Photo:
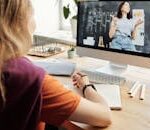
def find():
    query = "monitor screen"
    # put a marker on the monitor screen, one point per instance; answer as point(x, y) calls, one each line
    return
point(115, 26)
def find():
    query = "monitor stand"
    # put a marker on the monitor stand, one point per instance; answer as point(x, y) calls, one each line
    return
point(113, 68)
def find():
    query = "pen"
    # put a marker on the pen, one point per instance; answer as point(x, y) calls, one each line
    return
point(142, 94)
point(135, 90)
point(82, 75)
point(134, 86)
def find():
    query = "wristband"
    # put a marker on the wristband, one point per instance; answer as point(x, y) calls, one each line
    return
point(86, 86)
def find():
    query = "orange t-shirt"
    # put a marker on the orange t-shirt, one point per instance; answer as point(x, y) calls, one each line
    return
point(58, 102)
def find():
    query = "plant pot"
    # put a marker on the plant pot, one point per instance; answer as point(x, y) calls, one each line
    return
point(71, 54)
point(73, 23)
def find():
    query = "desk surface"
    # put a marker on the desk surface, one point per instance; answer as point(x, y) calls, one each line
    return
point(135, 114)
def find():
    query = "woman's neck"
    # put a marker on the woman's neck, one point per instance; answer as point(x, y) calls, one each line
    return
point(124, 15)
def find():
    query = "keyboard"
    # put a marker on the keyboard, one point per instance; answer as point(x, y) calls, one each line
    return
point(103, 78)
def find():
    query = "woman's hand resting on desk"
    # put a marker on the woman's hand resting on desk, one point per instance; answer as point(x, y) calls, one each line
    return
point(92, 102)
point(80, 80)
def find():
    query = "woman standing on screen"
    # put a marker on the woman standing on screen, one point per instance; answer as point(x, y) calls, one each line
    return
point(123, 28)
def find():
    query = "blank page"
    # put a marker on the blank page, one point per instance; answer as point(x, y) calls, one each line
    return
point(112, 95)
point(110, 92)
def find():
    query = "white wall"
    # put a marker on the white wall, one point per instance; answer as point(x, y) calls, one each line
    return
point(46, 16)
point(65, 23)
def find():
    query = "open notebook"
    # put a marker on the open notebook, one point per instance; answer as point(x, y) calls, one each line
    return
point(110, 92)
point(112, 95)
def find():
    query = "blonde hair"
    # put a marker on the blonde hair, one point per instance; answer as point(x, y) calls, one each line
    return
point(15, 38)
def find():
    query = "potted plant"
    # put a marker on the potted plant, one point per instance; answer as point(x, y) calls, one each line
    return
point(73, 20)
point(71, 51)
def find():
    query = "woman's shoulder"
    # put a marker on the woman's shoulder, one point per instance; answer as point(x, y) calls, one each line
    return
point(114, 18)
point(22, 80)
point(22, 68)
point(19, 63)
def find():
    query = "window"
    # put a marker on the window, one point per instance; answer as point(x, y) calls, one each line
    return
point(65, 23)
point(46, 16)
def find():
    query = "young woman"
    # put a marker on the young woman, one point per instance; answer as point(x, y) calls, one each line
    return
point(27, 94)
point(123, 28)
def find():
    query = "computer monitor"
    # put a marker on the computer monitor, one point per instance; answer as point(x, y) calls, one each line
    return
point(115, 31)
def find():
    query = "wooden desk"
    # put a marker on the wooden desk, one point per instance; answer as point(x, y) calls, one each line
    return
point(135, 114)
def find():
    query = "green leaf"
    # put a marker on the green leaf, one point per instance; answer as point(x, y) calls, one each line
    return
point(74, 17)
point(72, 49)
point(76, 1)
point(66, 11)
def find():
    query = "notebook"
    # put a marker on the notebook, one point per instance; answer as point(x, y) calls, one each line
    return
point(56, 66)
point(110, 92)
point(112, 95)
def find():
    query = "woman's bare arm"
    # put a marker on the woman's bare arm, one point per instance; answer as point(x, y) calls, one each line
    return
point(93, 109)
point(134, 32)
point(113, 27)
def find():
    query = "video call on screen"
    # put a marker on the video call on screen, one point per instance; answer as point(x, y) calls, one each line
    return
point(95, 19)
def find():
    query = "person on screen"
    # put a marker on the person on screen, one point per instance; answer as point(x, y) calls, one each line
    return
point(27, 94)
point(123, 28)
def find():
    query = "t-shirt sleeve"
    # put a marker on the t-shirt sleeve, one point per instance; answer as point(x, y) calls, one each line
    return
point(58, 102)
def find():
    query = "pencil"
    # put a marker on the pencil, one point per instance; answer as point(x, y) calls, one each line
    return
point(134, 86)
point(135, 90)
point(142, 94)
